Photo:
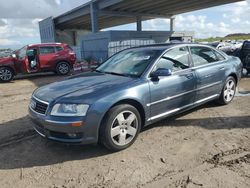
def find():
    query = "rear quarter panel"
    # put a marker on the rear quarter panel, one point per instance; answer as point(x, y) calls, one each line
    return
point(233, 67)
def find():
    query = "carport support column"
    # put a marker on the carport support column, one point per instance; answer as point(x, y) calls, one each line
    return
point(138, 23)
point(172, 24)
point(94, 17)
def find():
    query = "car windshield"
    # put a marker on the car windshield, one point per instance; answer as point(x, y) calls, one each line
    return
point(21, 53)
point(131, 62)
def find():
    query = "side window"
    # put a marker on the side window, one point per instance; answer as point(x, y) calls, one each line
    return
point(180, 54)
point(175, 59)
point(59, 48)
point(219, 56)
point(166, 64)
point(47, 50)
point(202, 55)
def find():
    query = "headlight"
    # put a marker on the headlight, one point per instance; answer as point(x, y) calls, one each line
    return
point(69, 110)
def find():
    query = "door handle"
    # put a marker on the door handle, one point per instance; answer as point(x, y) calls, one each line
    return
point(221, 68)
point(189, 76)
point(208, 75)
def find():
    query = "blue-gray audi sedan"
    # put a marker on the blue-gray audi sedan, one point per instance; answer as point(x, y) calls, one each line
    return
point(134, 88)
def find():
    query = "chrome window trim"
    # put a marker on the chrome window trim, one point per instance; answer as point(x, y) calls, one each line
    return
point(147, 75)
point(184, 93)
point(207, 64)
point(192, 67)
point(183, 107)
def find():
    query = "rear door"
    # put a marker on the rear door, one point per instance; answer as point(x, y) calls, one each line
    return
point(172, 93)
point(209, 66)
point(47, 57)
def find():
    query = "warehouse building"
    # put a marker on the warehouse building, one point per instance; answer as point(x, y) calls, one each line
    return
point(82, 27)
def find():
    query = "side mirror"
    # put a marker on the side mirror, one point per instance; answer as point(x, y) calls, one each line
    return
point(160, 72)
point(13, 55)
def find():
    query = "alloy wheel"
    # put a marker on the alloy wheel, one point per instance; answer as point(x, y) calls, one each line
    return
point(124, 128)
point(5, 74)
point(63, 68)
point(229, 90)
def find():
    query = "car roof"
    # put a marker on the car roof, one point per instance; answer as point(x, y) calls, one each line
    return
point(46, 44)
point(165, 46)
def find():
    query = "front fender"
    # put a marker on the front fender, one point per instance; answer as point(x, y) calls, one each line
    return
point(98, 110)
point(9, 64)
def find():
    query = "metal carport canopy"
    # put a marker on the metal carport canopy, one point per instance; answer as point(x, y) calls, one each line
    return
point(111, 13)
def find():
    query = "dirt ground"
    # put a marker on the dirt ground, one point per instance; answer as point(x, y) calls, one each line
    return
point(206, 147)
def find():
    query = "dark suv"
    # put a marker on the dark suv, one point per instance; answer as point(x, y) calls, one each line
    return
point(54, 57)
point(244, 54)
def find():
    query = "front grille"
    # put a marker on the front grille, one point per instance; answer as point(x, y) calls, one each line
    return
point(39, 106)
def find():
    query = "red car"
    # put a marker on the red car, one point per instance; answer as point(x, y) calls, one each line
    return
point(56, 57)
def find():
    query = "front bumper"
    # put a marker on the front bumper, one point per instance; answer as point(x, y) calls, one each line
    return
point(61, 129)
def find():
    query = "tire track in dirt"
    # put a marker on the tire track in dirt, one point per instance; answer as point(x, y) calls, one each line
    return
point(230, 157)
point(17, 138)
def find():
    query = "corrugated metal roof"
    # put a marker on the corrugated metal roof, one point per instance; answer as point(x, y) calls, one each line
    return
point(119, 12)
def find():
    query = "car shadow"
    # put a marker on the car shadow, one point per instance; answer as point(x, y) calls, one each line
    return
point(211, 123)
point(43, 78)
point(24, 148)
point(40, 79)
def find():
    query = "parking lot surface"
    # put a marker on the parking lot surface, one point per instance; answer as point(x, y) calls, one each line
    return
point(205, 147)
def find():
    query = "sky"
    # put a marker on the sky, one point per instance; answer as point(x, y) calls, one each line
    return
point(19, 20)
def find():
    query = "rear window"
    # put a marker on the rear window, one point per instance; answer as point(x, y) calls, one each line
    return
point(219, 56)
point(202, 55)
point(47, 50)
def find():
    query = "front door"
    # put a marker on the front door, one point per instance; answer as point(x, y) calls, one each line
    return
point(209, 67)
point(32, 60)
point(177, 91)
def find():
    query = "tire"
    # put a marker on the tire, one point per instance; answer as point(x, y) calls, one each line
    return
point(228, 91)
point(6, 74)
point(63, 68)
point(120, 127)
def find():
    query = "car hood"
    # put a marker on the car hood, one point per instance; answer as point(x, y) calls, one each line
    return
point(5, 59)
point(85, 87)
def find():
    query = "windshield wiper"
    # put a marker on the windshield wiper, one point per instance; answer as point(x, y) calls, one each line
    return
point(115, 73)
point(98, 71)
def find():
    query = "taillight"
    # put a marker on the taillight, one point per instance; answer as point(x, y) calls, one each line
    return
point(72, 56)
